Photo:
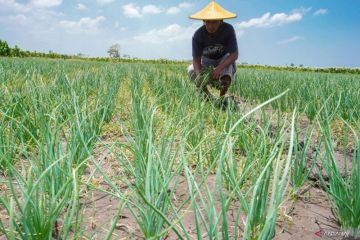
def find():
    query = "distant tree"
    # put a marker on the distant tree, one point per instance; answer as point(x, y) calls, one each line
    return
point(4, 48)
point(16, 52)
point(114, 51)
point(292, 65)
point(27, 53)
point(301, 65)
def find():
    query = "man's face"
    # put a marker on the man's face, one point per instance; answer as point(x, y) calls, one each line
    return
point(212, 25)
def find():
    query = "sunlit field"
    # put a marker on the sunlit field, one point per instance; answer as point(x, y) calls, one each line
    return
point(101, 150)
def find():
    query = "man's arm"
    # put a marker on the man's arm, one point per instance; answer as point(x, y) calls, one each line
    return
point(197, 49)
point(197, 65)
point(229, 60)
point(232, 48)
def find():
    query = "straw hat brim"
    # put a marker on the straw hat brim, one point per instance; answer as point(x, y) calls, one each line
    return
point(213, 11)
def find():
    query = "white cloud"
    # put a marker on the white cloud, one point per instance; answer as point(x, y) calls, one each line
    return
point(321, 11)
point(185, 5)
point(104, 2)
point(178, 8)
point(18, 19)
point(291, 39)
point(12, 5)
point(302, 10)
point(84, 25)
point(132, 11)
point(277, 19)
point(151, 9)
point(46, 3)
point(38, 18)
point(171, 33)
point(81, 6)
point(173, 10)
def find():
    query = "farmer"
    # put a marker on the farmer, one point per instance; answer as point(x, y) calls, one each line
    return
point(214, 51)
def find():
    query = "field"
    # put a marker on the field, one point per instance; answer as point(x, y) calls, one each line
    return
point(101, 150)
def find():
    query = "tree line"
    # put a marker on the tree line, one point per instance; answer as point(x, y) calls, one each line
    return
point(113, 51)
point(7, 51)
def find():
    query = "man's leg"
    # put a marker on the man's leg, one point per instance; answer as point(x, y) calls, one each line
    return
point(225, 82)
point(226, 77)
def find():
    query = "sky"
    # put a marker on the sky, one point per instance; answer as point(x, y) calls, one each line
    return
point(315, 33)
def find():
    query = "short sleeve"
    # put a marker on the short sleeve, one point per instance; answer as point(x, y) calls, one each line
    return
point(196, 47)
point(231, 42)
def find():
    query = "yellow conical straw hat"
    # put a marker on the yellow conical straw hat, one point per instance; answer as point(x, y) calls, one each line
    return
point(213, 11)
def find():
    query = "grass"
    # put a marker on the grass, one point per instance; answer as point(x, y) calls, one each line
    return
point(176, 157)
point(308, 90)
point(343, 187)
point(302, 166)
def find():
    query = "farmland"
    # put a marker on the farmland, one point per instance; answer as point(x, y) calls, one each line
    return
point(101, 150)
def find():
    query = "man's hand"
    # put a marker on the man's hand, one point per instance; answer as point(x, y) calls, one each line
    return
point(229, 60)
point(216, 73)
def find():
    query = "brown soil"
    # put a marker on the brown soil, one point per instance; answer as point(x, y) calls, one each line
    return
point(297, 219)
point(300, 219)
point(303, 218)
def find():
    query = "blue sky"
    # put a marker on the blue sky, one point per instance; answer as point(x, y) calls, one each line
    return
point(277, 32)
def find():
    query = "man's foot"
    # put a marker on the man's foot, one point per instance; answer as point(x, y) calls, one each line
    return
point(223, 104)
point(228, 103)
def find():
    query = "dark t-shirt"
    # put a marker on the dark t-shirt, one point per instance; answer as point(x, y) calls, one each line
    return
point(224, 42)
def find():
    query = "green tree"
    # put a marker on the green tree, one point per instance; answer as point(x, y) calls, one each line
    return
point(16, 52)
point(114, 51)
point(4, 48)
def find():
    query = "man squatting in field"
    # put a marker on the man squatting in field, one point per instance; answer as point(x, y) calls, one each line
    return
point(214, 46)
